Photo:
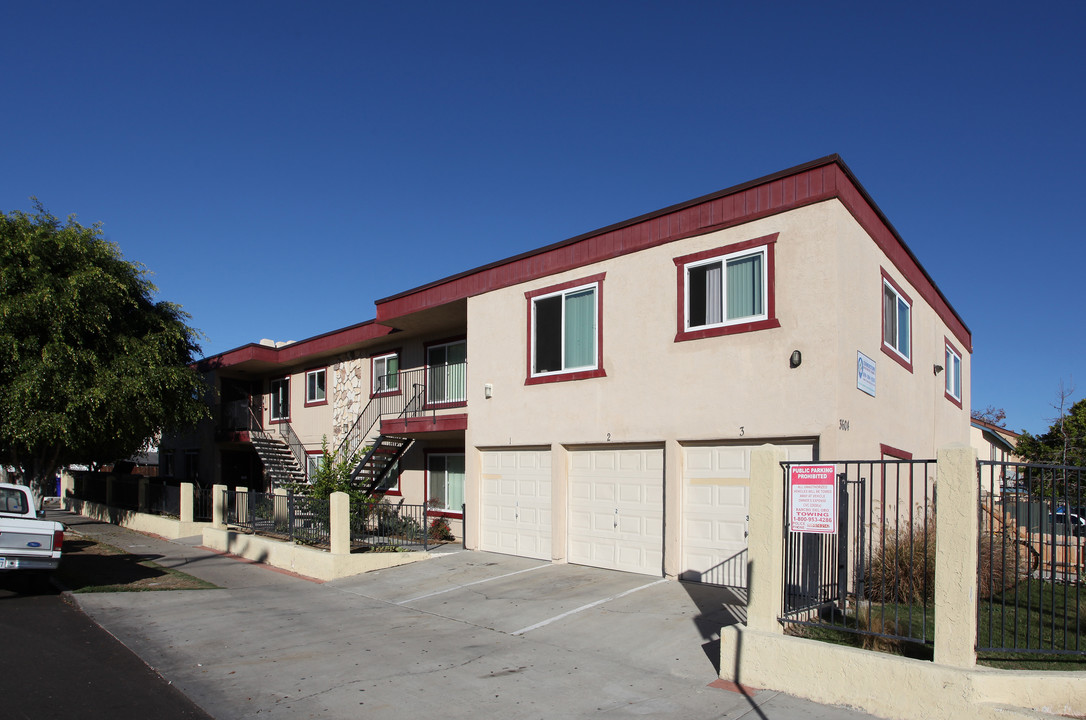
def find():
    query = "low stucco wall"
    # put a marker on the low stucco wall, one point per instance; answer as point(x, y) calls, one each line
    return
point(167, 527)
point(891, 686)
point(304, 560)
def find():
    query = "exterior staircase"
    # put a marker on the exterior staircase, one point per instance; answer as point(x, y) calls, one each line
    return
point(280, 464)
point(373, 469)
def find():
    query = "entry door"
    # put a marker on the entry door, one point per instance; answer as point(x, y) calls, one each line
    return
point(516, 503)
point(616, 515)
point(446, 365)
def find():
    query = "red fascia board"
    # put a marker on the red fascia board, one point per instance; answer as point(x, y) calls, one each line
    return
point(802, 185)
point(796, 187)
point(295, 352)
point(433, 423)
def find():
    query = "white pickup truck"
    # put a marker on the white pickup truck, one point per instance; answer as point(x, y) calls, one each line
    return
point(27, 541)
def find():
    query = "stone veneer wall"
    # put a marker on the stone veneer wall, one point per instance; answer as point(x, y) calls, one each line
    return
point(350, 393)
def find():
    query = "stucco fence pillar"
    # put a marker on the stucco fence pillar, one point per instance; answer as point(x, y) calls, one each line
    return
point(219, 506)
point(952, 686)
point(339, 523)
point(188, 491)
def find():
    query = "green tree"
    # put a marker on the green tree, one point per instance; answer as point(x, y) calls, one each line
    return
point(1064, 444)
point(92, 368)
point(333, 475)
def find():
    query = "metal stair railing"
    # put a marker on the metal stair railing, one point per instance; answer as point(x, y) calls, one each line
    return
point(444, 382)
point(287, 437)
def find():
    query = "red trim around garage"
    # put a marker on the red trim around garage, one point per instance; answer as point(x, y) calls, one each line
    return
point(894, 452)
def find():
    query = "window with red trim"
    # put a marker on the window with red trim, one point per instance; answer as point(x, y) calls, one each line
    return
point(445, 482)
point(565, 331)
point(727, 290)
point(315, 387)
point(385, 371)
point(897, 325)
point(953, 374)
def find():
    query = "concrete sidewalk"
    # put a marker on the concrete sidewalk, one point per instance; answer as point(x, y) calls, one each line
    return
point(468, 634)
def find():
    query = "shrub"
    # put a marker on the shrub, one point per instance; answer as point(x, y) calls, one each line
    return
point(440, 530)
point(902, 568)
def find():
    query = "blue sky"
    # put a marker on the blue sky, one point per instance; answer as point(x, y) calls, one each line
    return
point(281, 165)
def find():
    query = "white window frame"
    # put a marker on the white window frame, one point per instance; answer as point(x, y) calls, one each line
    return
point(900, 300)
point(310, 378)
point(761, 251)
point(451, 380)
point(430, 481)
point(313, 462)
point(274, 414)
point(382, 361)
point(953, 371)
point(594, 365)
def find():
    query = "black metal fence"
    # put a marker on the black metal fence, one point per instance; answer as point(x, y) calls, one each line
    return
point(297, 518)
point(378, 526)
point(870, 567)
point(162, 496)
point(306, 520)
point(1031, 559)
point(202, 504)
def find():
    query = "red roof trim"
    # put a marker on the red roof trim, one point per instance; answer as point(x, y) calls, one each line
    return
point(796, 187)
point(298, 351)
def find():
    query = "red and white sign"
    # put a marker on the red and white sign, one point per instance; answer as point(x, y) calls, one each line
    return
point(813, 498)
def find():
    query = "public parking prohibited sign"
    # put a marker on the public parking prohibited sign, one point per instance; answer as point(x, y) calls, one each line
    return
point(813, 498)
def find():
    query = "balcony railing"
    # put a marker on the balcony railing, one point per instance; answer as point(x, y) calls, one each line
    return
point(407, 394)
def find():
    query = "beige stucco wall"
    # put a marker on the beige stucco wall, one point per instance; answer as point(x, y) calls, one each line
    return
point(737, 387)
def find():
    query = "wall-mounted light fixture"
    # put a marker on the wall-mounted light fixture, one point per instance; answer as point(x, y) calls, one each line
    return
point(488, 391)
point(796, 359)
point(938, 369)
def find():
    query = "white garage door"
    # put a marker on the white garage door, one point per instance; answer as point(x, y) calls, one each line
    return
point(715, 509)
point(616, 509)
point(516, 503)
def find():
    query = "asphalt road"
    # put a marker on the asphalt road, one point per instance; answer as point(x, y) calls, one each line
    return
point(57, 663)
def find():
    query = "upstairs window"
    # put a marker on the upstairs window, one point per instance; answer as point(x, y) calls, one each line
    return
point(896, 323)
point(564, 332)
point(953, 371)
point(386, 373)
point(445, 372)
point(315, 392)
point(727, 290)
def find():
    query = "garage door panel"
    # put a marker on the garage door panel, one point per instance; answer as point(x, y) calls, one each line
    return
point(716, 489)
point(616, 509)
point(516, 499)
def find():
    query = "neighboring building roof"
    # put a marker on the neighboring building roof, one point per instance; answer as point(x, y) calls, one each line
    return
point(1000, 435)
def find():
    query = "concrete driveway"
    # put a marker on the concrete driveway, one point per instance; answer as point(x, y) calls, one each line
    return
point(465, 634)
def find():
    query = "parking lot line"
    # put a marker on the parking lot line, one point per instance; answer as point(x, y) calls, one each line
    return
point(477, 582)
point(588, 606)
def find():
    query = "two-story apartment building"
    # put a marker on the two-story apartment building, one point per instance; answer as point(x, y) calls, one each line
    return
point(596, 401)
